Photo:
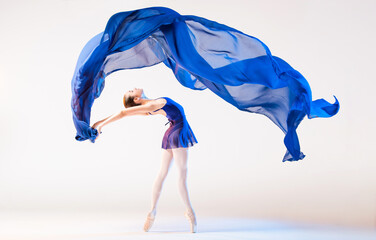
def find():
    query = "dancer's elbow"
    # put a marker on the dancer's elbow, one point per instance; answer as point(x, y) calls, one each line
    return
point(123, 113)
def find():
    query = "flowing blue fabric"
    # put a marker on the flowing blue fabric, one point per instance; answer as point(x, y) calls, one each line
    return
point(202, 54)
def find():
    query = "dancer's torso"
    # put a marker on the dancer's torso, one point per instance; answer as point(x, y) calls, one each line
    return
point(173, 110)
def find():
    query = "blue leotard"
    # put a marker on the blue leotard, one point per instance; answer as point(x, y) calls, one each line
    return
point(179, 134)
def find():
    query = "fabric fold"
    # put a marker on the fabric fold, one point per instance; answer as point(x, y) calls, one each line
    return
point(202, 54)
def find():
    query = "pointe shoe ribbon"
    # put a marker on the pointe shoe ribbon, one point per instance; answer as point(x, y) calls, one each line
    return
point(148, 223)
point(192, 220)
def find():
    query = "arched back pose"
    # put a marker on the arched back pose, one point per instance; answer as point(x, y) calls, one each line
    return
point(176, 141)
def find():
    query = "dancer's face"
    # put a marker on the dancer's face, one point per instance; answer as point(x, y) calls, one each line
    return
point(136, 92)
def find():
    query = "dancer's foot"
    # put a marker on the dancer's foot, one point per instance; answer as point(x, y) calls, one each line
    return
point(149, 221)
point(190, 215)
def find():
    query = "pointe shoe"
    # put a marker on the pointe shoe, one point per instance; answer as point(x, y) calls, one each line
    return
point(192, 220)
point(148, 223)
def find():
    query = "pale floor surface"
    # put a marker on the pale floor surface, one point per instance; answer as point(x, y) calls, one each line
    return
point(89, 226)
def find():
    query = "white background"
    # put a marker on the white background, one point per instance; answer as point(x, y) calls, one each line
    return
point(236, 169)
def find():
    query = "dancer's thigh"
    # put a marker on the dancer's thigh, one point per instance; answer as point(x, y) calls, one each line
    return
point(181, 156)
point(167, 156)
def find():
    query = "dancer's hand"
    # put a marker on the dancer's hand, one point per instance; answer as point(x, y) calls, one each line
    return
point(96, 124)
point(98, 128)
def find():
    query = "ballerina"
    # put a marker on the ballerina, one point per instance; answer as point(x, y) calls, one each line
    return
point(175, 144)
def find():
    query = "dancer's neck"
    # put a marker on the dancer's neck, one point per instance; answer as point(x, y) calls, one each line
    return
point(145, 99)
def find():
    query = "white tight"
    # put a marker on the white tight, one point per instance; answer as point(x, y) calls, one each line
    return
point(180, 155)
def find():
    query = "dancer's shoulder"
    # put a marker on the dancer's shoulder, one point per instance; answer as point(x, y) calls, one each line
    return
point(159, 103)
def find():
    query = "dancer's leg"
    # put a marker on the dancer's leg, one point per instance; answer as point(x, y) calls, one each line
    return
point(158, 183)
point(157, 187)
point(181, 157)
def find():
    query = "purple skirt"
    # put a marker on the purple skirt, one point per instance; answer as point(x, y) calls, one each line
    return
point(178, 135)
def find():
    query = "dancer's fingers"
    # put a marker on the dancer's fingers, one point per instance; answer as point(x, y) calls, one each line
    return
point(99, 133)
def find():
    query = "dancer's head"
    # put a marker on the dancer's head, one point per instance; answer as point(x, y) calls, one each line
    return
point(133, 97)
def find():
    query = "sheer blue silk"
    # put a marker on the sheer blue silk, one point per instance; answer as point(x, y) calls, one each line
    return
point(201, 54)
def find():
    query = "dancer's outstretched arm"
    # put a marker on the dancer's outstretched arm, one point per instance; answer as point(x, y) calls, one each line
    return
point(99, 122)
point(137, 110)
